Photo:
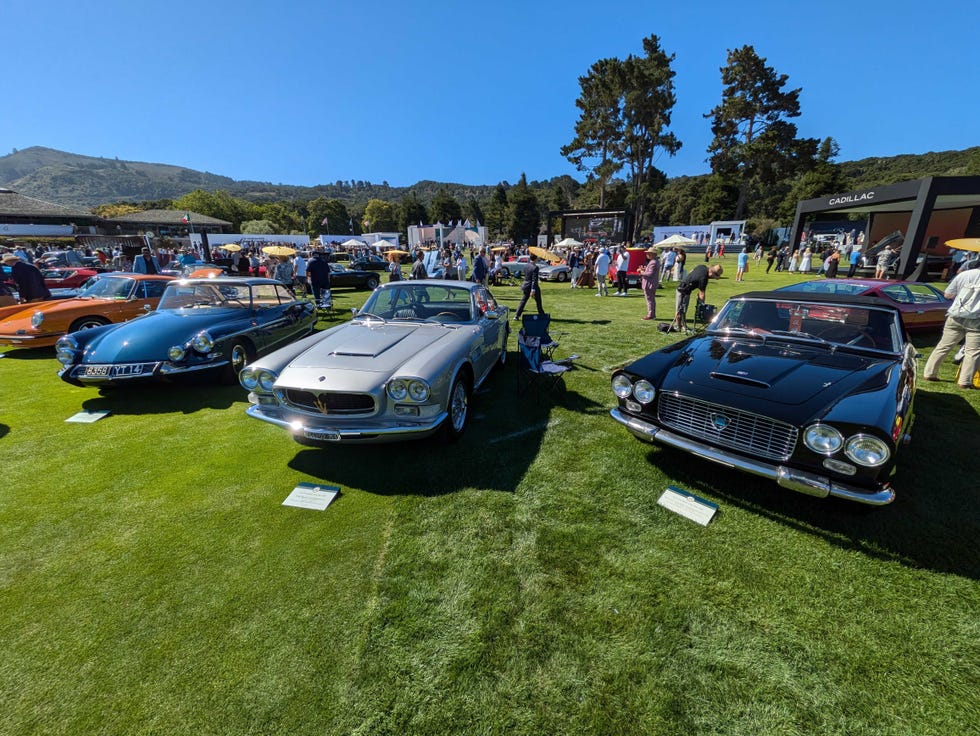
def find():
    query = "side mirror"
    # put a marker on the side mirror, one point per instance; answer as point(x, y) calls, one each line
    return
point(491, 314)
point(147, 308)
point(353, 311)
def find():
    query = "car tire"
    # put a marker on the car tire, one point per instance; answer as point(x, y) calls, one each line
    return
point(87, 323)
point(502, 358)
point(240, 354)
point(372, 283)
point(561, 277)
point(458, 410)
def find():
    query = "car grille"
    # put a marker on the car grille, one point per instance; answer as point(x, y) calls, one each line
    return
point(328, 403)
point(726, 427)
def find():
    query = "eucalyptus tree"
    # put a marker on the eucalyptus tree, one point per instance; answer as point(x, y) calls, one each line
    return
point(755, 144)
point(626, 108)
point(595, 149)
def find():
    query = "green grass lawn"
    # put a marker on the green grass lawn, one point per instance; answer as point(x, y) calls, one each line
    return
point(523, 581)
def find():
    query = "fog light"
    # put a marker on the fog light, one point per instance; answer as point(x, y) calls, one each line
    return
point(406, 411)
point(176, 353)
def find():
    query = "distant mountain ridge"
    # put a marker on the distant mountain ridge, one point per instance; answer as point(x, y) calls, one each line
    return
point(87, 181)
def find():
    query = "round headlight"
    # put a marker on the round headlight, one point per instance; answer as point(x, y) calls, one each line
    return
point(643, 391)
point(621, 385)
point(267, 379)
point(867, 450)
point(64, 356)
point(36, 319)
point(202, 342)
point(249, 379)
point(398, 389)
point(823, 439)
point(176, 353)
point(418, 390)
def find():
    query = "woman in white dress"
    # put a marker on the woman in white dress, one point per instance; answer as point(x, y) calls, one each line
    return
point(805, 261)
point(794, 261)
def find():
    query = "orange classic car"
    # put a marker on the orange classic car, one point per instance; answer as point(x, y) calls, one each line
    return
point(111, 298)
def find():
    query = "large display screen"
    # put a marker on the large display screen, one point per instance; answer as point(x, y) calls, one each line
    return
point(591, 228)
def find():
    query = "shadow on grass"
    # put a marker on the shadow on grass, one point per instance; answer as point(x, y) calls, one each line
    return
point(27, 353)
point(933, 523)
point(4, 431)
point(502, 440)
point(165, 398)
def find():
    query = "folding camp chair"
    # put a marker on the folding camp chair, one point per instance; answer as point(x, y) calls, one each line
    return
point(533, 366)
point(536, 325)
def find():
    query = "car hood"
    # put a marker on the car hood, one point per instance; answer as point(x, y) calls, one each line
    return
point(363, 348)
point(147, 338)
point(777, 372)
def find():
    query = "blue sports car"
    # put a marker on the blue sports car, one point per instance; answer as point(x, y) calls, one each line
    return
point(215, 325)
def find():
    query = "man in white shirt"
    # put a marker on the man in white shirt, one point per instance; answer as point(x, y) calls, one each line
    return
point(299, 274)
point(601, 272)
point(962, 323)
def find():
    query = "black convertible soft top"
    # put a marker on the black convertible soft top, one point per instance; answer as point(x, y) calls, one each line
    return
point(820, 298)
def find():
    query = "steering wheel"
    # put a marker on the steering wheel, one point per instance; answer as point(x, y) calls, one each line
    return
point(862, 338)
point(435, 317)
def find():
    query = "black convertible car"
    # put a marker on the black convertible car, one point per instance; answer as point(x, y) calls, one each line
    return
point(814, 391)
point(353, 278)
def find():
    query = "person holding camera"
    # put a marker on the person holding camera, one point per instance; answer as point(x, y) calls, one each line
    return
point(697, 279)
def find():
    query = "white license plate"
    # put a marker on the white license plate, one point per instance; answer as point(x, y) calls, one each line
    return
point(326, 435)
point(97, 370)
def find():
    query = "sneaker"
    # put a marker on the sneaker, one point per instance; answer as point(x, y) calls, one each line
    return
point(647, 318)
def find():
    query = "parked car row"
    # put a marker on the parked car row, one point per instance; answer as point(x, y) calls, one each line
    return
point(812, 388)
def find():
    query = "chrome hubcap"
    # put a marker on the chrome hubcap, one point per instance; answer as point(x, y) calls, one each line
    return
point(458, 406)
point(238, 357)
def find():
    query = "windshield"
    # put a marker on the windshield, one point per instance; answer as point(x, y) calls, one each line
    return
point(827, 286)
point(864, 327)
point(414, 302)
point(109, 287)
point(205, 296)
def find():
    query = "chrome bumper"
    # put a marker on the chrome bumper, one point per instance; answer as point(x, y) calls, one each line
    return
point(336, 431)
point(790, 478)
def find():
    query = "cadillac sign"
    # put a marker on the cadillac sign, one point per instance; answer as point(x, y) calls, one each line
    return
point(852, 198)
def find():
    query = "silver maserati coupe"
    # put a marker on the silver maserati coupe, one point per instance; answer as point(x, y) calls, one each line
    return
point(404, 367)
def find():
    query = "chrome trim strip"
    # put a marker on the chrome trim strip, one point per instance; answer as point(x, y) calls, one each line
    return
point(273, 415)
point(789, 478)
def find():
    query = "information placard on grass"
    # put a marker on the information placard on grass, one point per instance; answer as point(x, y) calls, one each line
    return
point(87, 417)
point(688, 505)
point(311, 496)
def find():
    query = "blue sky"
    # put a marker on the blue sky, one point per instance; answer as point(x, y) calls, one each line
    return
point(311, 92)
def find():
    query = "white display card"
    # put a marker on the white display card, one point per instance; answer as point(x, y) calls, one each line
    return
point(311, 496)
point(688, 505)
point(87, 417)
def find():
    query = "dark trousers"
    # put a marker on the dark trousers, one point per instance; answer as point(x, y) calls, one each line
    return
point(319, 287)
point(527, 295)
point(851, 269)
point(621, 283)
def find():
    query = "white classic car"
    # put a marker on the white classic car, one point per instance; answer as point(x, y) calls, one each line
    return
point(404, 367)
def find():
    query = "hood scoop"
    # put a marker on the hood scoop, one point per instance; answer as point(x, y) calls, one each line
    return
point(744, 380)
point(369, 343)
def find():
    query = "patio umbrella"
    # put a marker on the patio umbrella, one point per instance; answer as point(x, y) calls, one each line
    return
point(230, 247)
point(568, 243)
point(384, 244)
point(279, 250)
point(353, 243)
point(499, 248)
point(675, 240)
point(396, 252)
point(970, 244)
point(545, 254)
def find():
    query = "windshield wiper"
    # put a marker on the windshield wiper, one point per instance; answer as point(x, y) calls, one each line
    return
point(371, 315)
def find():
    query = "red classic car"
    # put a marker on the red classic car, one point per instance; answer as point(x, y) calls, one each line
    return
point(923, 306)
point(67, 278)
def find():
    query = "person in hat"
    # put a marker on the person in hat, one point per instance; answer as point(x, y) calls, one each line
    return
point(30, 281)
point(650, 280)
point(146, 262)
